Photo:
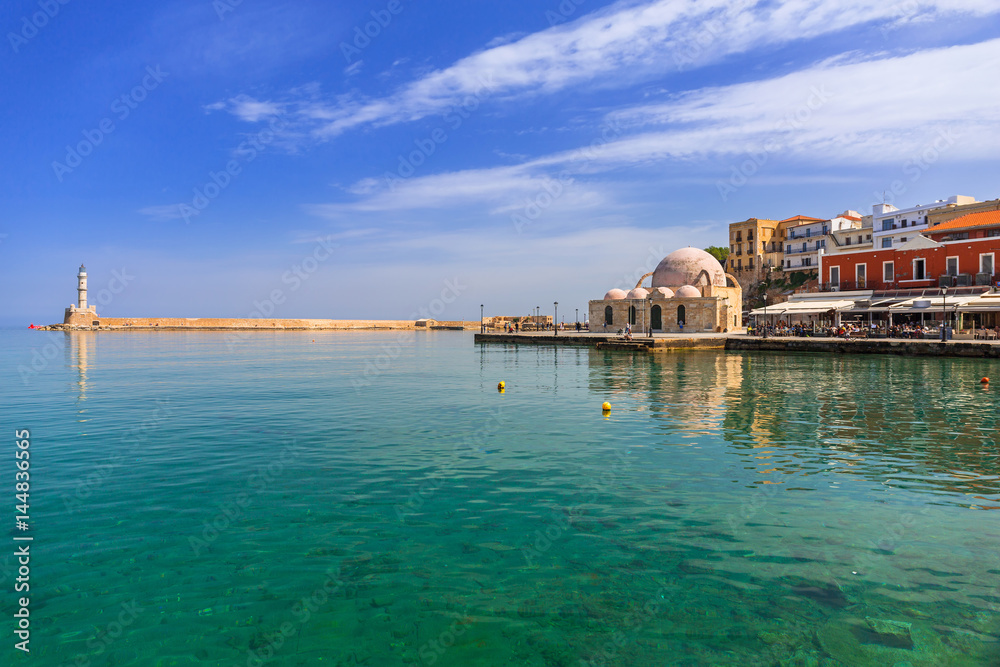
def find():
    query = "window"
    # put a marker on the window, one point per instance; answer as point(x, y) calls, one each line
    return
point(902, 240)
point(993, 232)
point(919, 270)
point(835, 275)
point(859, 274)
point(826, 229)
point(888, 272)
point(887, 225)
point(750, 265)
point(631, 315)
point(904, 223)
point(750, 235)
point(847, 241)
point(953, 266)
point(680, 315)
point(959, 236)
point(781, 245)
point(807, 261)
point(656, 318)
point(809, 233)
point(867, 238)
point(986, 263)
point(886, 243)
point(804, 244)
point(609, 315)
point(859, 238)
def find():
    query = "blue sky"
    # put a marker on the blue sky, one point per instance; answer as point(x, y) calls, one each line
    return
point(512, 153)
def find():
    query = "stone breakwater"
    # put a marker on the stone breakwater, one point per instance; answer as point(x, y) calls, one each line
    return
point(253, 324)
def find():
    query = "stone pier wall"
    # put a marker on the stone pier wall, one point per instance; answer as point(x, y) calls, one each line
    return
point(177, 323)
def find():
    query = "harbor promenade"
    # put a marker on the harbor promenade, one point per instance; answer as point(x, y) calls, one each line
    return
point(743, 342)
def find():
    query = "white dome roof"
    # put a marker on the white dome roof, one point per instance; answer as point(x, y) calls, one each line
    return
point(687, 291)
point(689, 266)
point(615, 295)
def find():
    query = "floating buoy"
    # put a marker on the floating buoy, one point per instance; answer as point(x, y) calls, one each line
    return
point(501, 386)
point(984, 381)
point(606, 407)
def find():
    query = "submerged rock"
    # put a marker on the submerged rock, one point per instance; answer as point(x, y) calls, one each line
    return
point(894, 634)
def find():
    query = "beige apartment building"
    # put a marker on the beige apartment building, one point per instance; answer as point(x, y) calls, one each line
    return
point(755, 248)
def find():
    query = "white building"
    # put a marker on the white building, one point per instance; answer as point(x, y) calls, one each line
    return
point(893, 226)
point(804, 243)
point(851, 239)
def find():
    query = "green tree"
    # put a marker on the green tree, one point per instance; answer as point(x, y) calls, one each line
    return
point(721, 254)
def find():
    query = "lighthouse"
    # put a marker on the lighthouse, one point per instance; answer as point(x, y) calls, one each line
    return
point(81, 288)
point(79, 313)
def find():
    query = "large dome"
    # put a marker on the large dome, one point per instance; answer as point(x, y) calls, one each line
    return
point(615, 295)
point(689, 266)
point(637, 293)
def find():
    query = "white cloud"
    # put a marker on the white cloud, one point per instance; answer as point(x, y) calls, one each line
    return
point(247, 108)
point(623, 43)
point(834, 114)
point(164, 213)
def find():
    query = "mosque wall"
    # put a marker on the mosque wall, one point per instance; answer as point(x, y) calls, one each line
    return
point(700, 314)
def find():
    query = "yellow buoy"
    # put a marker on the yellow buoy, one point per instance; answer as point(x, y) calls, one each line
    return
point(606, 407)
point(501, 386)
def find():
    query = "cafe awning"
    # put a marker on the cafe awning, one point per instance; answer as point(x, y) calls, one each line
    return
point(932, 304)
point(807, 307)
point(984, 303)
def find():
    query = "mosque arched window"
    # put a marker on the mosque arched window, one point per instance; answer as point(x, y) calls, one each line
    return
point(609, 315)
point(680, 315)
point(631, 315)
point(656, 318)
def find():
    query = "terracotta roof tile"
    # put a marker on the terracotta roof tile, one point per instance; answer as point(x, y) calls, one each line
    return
point(803, 218)
point(982, 219)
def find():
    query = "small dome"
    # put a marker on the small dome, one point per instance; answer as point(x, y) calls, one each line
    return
point(637, 293)
point(662, 292)
point(689, 266)
point(687, 291)
point(615, 295)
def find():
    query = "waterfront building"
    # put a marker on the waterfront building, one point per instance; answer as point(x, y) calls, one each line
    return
point(755, 250)
point(807, 240)
point(853, 237)
point(959, 253)
point(956, 210)
point(689, 291)
point(893, 226)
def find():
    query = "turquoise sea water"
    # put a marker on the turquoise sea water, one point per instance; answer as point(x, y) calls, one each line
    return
point(372, 499)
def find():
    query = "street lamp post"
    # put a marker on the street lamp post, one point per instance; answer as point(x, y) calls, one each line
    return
point(764, 334)
point(577, 319)
point(482, 321)
point(944, 314)
point(555, 319)
point(538, 319)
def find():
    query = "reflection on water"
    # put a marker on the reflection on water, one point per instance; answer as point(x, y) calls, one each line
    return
point(82, 345)
point(732, 508)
